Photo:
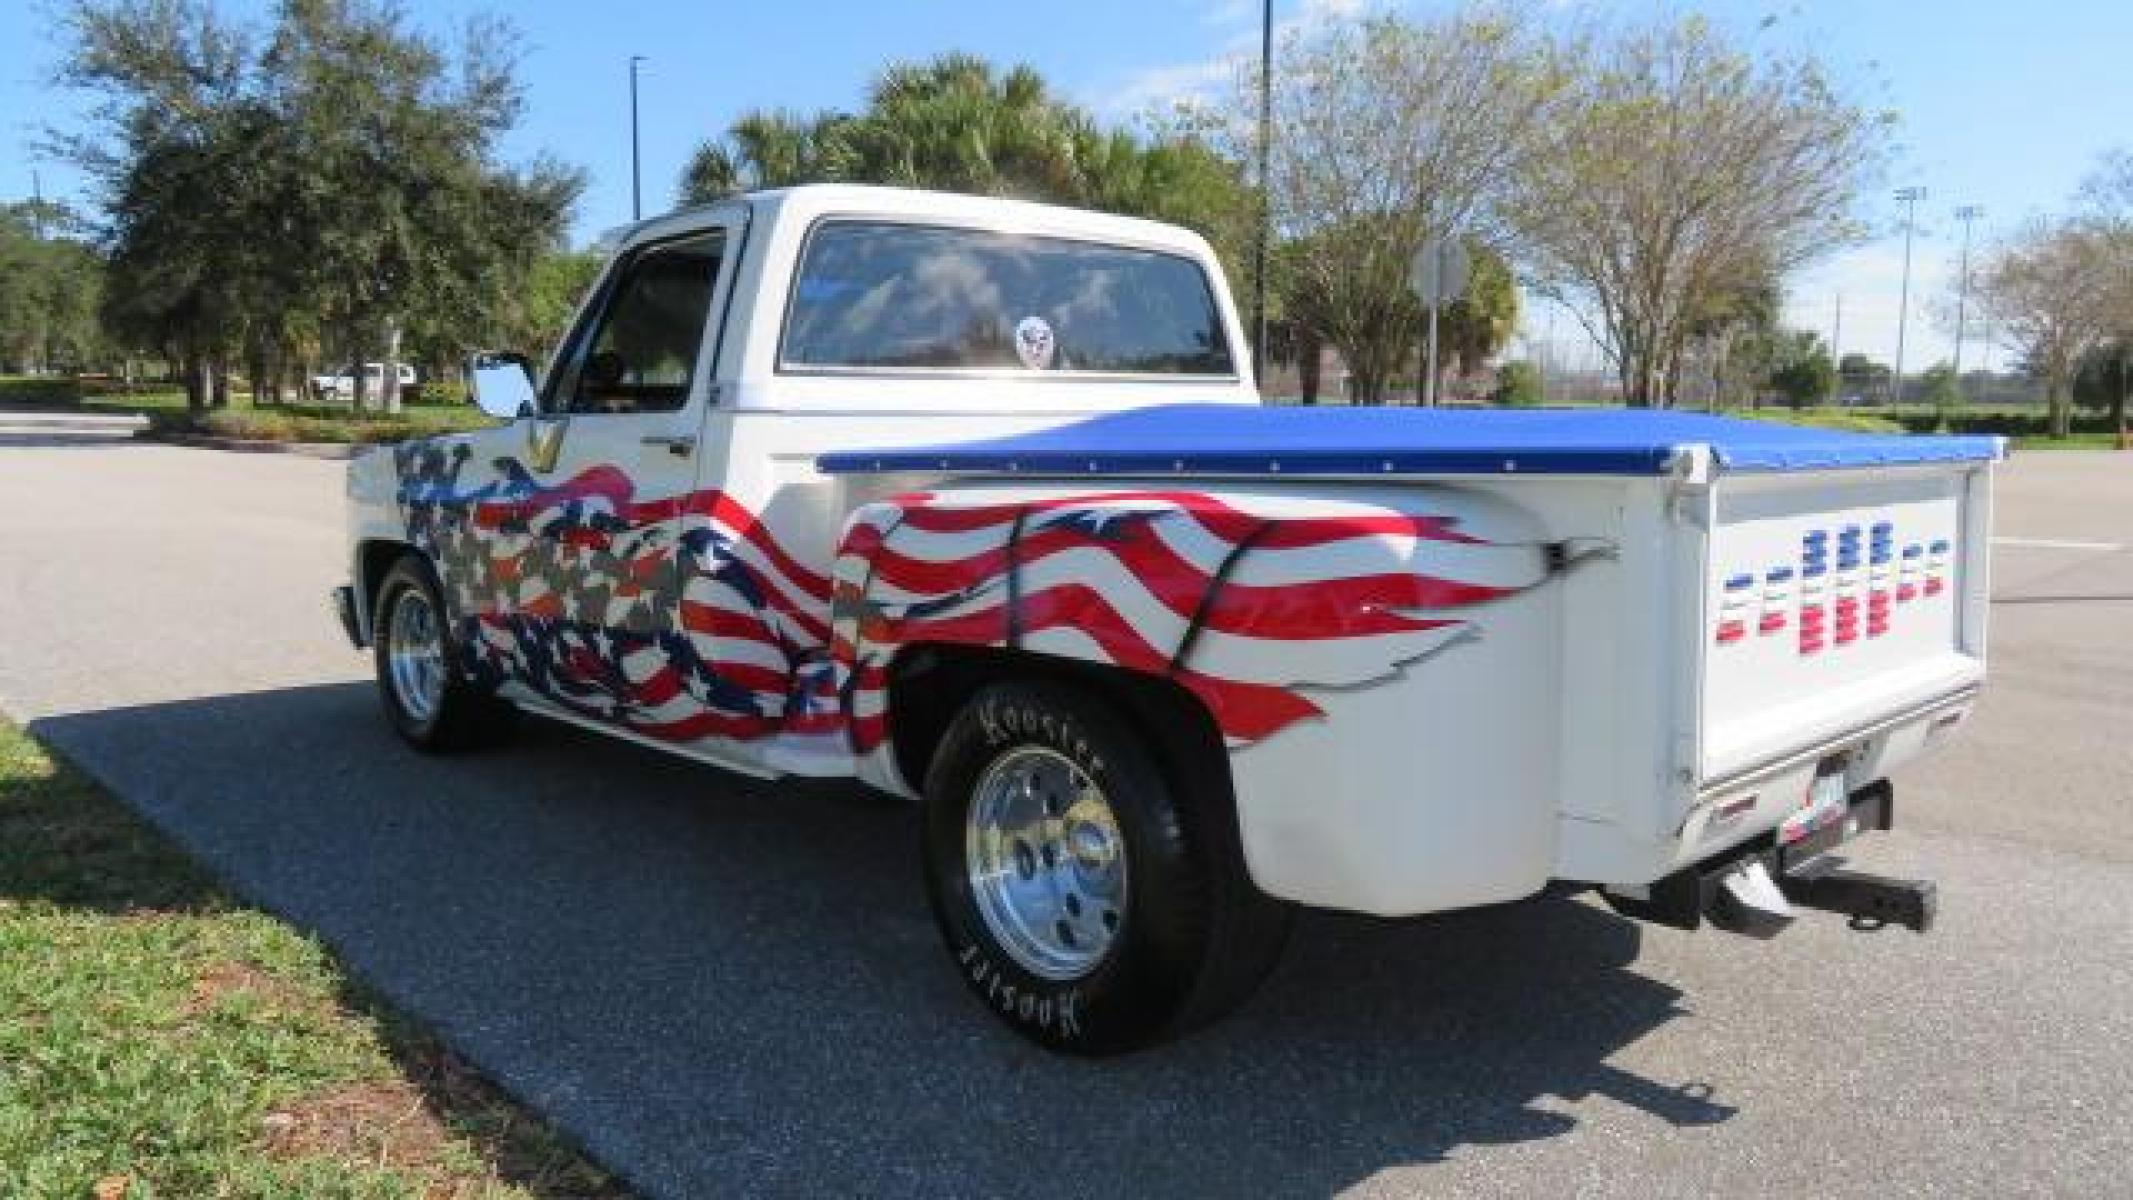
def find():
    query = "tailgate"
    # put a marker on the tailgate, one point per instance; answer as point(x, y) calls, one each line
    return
point(1836, 600)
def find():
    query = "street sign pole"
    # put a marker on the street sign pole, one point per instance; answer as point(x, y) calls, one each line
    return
point(1438, 276)
point(1429, 395)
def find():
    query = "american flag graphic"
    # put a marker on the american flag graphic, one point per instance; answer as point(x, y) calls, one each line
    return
point(1244, 608)
point(684, 618)
point(680, 618)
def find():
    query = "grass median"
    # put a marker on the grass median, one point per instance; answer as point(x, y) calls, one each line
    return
point(160, 1039)
point(291, 423)
point(443, 410)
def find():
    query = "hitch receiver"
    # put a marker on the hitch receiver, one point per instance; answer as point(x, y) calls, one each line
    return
point(1753, 889)
point(1871, 901)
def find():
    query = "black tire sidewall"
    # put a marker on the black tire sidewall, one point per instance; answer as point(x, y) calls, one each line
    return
point(1135, 994)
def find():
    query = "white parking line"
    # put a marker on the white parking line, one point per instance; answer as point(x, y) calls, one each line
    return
point(2053, 544)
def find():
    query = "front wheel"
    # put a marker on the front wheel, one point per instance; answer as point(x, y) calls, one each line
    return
point(428, 701)
point(1093, 900)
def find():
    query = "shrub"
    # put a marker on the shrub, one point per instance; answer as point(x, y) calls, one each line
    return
point(29, 390)
point(1518, 385)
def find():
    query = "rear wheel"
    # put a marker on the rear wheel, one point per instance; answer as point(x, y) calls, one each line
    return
point(428, 701)
point(1093, 900)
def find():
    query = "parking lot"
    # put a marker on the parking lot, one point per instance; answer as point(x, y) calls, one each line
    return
point(726, 986)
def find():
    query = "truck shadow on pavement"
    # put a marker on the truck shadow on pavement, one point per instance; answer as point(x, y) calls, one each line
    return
point(720, 986)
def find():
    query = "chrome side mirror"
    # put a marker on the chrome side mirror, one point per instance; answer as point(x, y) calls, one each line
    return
point(502, 384)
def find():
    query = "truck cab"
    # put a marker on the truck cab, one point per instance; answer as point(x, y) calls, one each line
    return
point(974, 501)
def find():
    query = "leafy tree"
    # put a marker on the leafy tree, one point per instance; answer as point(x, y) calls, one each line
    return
point(1941, 389)
point(958, 123)
point(552, 293)
point(771, 148)
point(321, 189)
point(1681, 168)
point(1856, 370)
point(1734, 332)
point(1479, 324)
point(2108, 203)
point(2105, 381)
point(1803, 372)
point(1518, 385)
point(1393, 131)
point(50, 281)
point(2052, 291)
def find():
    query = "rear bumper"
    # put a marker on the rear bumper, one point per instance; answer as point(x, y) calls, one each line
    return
point(1739, 809)
point(342, 601)
point(1926, 713)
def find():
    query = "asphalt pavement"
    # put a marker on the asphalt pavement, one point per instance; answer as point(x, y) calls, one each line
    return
point(728, 987)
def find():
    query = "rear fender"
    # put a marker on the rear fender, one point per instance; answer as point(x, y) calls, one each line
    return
point(1267, 606)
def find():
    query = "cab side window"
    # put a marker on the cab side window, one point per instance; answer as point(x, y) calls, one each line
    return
point(642, 351)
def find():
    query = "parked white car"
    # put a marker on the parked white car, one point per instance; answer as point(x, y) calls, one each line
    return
point(974, 501)
point(341, 384)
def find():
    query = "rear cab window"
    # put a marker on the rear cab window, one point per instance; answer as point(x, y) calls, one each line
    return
point(877, 296)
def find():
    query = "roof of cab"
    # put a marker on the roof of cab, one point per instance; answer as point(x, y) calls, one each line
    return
point(807, 202)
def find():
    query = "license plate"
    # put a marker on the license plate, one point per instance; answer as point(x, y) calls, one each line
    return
point(1827, 804)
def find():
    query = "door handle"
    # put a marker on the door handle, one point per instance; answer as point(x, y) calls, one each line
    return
point(680, 445)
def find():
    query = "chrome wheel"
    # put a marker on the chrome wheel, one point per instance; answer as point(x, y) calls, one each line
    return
point(415, 654)
point(1046, 862)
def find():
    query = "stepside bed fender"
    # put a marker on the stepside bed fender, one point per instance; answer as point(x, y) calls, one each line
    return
point(1247, 600)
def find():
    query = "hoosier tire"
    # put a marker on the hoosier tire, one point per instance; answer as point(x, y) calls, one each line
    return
point(1090, 887)
point(429, 702)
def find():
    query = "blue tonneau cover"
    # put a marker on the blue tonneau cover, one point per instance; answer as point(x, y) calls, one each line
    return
point(1228, 439)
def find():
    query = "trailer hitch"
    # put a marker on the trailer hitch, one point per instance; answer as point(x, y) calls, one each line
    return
point(1755, 891)
point(1872, 901)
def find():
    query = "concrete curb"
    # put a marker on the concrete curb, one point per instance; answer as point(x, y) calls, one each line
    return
point(333, 451)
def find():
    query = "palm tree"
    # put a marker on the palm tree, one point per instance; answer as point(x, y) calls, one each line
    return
point(957, 123)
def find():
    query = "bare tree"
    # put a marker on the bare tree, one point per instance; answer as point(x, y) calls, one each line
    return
point(1390, 131)
point(2107, 203)
point(2107, 194)
point(2051, 293)
point(2107, 209)
point(1683, 170)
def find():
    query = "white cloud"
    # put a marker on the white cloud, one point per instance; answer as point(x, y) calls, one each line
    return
point(1236, 23)
point(1162, 88)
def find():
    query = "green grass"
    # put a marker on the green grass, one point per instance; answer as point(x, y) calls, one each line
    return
point(65, 392)
point(2026, 427)
point(2073, 441)
point(164, 406)
point(1851, 420)
point(160, 1039)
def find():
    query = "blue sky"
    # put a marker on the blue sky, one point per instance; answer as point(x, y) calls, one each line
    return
point(2002, 105)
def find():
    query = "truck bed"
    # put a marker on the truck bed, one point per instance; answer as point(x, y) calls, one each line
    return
point(1732, 606)
point(1233, 440)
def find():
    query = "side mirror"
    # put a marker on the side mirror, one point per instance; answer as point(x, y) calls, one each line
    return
point(502, 384)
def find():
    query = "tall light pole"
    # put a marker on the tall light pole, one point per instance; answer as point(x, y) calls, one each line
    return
point(1966, 214)
point(636, 175)
point(1266, 200)
point(1909, 198)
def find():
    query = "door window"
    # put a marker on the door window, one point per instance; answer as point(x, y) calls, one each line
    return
point(641, 352)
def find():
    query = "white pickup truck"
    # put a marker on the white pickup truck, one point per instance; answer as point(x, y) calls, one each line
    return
point(974, 501)
point(341, 385)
